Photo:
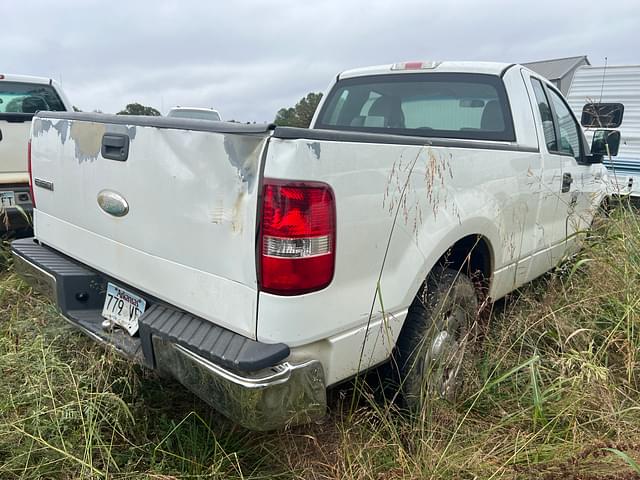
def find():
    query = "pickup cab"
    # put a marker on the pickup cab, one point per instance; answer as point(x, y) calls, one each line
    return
point(260, 265)
point(21, 97)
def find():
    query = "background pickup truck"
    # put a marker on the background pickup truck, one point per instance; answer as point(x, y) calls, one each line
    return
point(20, 97)
point(260, 265)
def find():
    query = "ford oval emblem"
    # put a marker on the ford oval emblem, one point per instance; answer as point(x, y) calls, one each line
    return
point(113, 203)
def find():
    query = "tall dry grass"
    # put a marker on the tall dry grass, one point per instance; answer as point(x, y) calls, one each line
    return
point(553, 393)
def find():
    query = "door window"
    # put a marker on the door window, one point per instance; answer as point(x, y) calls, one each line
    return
point(569, 141)
point(545, 114)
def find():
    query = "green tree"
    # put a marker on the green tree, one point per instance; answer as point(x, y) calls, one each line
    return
point(139, 109)
point(301, 114)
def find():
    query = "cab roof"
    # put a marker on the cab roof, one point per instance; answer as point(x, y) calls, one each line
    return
point(9, 77)
point(491, 68)
point(197, 109)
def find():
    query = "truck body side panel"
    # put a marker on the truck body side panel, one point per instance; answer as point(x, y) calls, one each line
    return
point(434, 200)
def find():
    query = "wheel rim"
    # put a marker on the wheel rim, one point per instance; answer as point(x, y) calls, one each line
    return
point(445, 355)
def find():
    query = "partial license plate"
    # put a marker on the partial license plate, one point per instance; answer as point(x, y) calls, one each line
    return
point(7, 199)
point(123, 308)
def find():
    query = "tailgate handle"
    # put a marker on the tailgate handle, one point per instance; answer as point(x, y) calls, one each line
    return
point(115, 146)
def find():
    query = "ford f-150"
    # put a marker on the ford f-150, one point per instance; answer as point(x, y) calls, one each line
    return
point(260, 265)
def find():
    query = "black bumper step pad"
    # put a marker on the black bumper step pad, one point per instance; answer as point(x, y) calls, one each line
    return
point(80, 294)
point(211, 341)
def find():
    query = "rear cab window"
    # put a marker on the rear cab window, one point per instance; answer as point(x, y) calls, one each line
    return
point(28, 98)
point(445, 105)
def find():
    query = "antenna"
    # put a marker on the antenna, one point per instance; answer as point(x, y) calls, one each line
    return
point(604, 72)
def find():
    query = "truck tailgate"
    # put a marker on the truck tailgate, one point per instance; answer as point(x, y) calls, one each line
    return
point(191, 188)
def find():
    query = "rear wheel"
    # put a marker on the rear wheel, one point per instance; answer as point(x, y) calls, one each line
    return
point(439, 331)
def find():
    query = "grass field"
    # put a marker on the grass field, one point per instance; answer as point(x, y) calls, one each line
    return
point(555, 394)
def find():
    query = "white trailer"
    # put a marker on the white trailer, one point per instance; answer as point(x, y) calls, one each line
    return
point(609, 97)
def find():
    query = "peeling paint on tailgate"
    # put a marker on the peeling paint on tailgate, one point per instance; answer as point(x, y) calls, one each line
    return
point(192, 199)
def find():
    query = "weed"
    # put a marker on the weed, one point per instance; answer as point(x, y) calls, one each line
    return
point(554, 394)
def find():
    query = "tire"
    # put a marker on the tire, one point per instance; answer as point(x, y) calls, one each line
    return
point(439, 330)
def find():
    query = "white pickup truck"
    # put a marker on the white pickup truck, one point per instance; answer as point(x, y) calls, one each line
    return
point(261, 265)
point(20, 97)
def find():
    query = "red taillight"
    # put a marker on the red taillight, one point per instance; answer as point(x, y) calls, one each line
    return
point(33, 198)
point(297, 237)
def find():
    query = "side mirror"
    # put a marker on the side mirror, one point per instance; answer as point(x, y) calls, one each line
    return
point(605, 143)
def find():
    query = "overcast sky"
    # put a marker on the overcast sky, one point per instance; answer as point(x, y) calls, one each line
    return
point(250, 58)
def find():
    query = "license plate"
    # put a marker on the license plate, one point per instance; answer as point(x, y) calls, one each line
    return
point(7, 199)
point(123, 308)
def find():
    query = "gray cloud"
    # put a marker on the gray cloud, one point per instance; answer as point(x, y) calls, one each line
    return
point(250, 58)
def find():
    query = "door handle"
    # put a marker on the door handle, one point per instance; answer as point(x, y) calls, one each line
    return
point(115, 146)
point(567, 180)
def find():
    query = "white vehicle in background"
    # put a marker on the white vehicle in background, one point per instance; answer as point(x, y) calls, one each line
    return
point(609, 98)
point(21, 97)
point(195, 113)
point(250, 261)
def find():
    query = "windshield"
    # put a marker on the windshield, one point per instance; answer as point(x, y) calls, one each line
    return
point(198, 114)
point(449, 105)
point(18, 97)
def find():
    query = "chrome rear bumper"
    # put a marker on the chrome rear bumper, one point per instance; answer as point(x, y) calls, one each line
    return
point(286, 394)
point(269, 398)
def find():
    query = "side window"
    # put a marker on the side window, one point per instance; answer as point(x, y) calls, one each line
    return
point(569, 133)
point(546, 115)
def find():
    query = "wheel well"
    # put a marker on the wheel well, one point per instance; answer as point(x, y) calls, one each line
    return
point(473, 256)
